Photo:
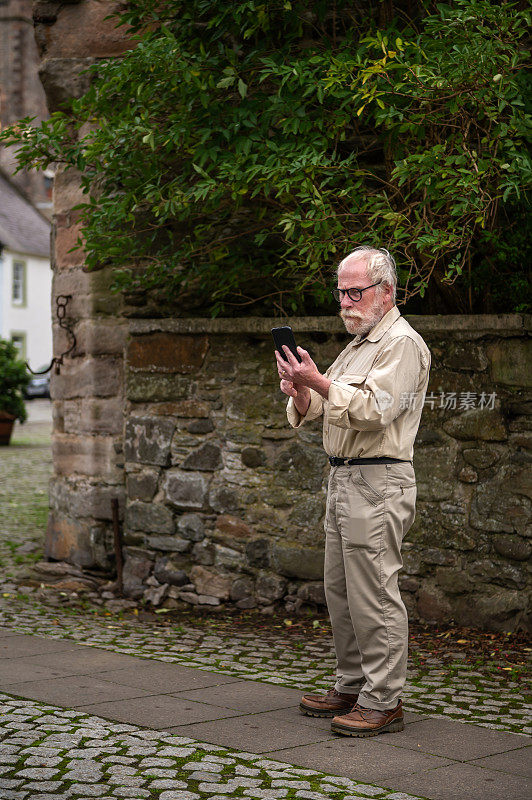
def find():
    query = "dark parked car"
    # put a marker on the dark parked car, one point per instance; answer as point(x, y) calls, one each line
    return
point(39, 385)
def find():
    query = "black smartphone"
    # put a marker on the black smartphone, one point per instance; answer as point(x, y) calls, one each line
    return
point(284, 336)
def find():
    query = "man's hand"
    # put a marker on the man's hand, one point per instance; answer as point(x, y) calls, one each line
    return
point(301, 374)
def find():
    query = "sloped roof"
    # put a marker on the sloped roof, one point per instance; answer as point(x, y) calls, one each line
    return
point(22, 227)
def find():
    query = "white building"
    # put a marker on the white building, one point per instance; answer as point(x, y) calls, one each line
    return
point(25, 276)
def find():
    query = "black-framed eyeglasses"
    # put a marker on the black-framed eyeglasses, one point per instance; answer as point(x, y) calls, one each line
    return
point(354, 294)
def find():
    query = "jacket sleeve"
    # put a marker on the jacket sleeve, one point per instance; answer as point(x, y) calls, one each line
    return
point(370, 402)
point(314, 410)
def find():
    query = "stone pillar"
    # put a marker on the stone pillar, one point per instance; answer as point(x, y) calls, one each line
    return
point(87, 392)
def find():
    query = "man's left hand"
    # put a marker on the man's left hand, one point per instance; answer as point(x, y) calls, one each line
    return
point(305, 372)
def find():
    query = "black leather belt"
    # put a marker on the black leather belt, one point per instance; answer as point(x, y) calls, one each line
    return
point(338, 462)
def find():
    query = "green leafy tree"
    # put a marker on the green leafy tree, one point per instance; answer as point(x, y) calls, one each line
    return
point(14, 378)
point(240, 149)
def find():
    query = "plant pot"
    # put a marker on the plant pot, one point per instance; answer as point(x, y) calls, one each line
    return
point(7, 422)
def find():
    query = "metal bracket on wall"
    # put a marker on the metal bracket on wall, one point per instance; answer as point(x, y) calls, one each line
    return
point(61, 303)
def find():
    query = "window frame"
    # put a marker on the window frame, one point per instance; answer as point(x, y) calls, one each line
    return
point(24, 264)
point(23, 354)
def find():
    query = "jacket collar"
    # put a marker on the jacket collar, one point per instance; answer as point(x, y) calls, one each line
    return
point(378, 330)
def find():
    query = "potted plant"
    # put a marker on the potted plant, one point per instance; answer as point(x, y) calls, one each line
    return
point(14, 378)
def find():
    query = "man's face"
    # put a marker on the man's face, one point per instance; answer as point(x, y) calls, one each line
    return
point(360, 317)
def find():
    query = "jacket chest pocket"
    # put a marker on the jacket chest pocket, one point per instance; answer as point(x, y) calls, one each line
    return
point(351, 378)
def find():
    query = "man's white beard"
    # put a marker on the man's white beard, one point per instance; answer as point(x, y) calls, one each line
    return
point(358, 324)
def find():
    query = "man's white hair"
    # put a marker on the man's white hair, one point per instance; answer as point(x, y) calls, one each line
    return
point(380, 265)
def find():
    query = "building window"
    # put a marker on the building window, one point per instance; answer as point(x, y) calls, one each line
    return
point(19, 340)
point(18, 293)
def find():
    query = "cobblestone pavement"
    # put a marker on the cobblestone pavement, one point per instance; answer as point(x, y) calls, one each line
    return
point(25, 467)
point(49, 753)
point(487, 695)
point(457, 691)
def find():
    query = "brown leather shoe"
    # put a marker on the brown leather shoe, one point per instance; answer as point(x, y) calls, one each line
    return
point(369, 721)
point(328, 705)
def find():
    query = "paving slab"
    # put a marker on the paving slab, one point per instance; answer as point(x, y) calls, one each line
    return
point(75, 691)
point(465, 782)
point(248, 696)
point(517, 762)
point(17, 670)
point(165, 678)
point(373, 760)
point(22, 645)
point(457, 741)
point(159, 711)
point(255, 733)
point(80, 660)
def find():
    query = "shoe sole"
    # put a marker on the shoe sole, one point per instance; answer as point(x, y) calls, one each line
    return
point(315, 712)
point(392, 727)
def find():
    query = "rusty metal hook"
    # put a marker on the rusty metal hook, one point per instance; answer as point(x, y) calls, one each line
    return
point(61, 303)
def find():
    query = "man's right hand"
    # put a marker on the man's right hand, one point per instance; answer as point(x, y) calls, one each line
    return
point(301, 395)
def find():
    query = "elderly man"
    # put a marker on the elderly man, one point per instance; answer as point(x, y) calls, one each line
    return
point(371, 400)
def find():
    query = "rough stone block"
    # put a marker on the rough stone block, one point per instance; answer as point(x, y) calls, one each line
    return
point(206, 458)
point(253, 457)
point(66, 238)
point(434, 473)
point(191, 527)
point(511, 362)
point(481, 457)
point(74, 541)
point(67, 190)
point(81, 29)
point(502, 504)
point(241, 588)
point(227, 557)
point(270, 587)
point(93, 456)
point(142, 485)
point(203, 553)
point(85, 499)
point(93, 415)
point(209, 582)
point(101, 337)
point(312, 593)
point(168, 544)
point(465, 356)
point(137, 568)
point(432, 604)
point(182, 408)
point(232, 527)
point(477, 423)
point(154, 388)
point(64, 79)
point(149, 517)
point(258, 553)
point(298, 562)
point(87, 377)
point(185, 489)
point(201, 426)
point(167, 571)
point(511, 546)
point(148, 440)
point(223, 499)
point(166, 352)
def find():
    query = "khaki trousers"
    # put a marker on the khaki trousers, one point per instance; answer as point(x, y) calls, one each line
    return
point(369, 510)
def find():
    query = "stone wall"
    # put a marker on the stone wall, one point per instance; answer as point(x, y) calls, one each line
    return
point(183, 422)
point(224, 502)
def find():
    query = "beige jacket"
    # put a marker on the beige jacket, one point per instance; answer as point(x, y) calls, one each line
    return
point(377, 393)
